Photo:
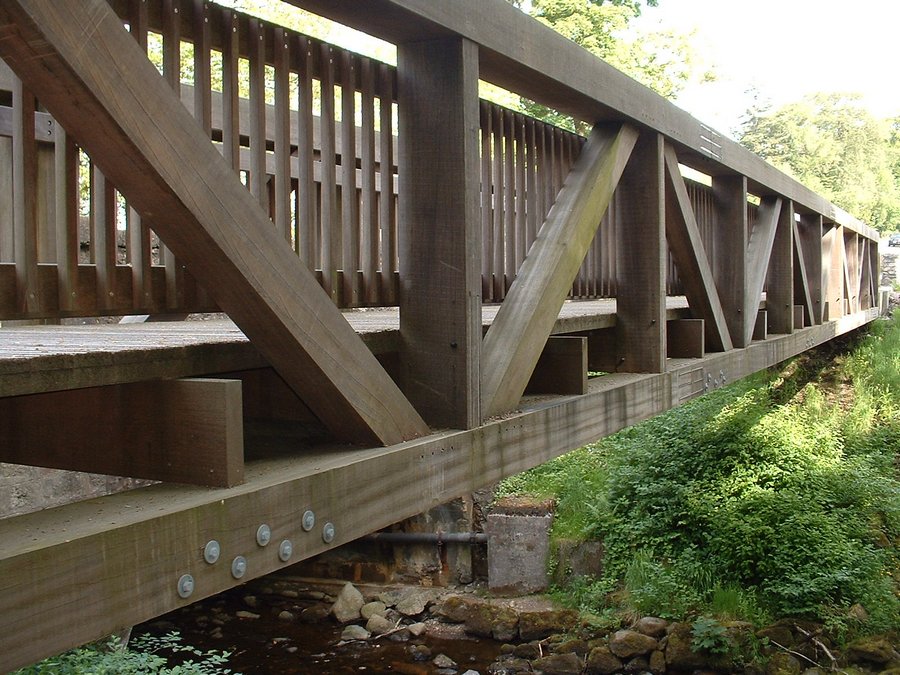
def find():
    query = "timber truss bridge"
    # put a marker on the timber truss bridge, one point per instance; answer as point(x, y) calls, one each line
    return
point(418, 282)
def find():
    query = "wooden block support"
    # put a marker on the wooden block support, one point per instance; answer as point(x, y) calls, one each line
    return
point(761, 327)
point(602, 352)
point(799, 316)
point(685, 338)
point(780, 275)
point(562, 367)
point(138, 132)
point(181, 431)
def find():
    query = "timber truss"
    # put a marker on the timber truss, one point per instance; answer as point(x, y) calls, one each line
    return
point(508, 259)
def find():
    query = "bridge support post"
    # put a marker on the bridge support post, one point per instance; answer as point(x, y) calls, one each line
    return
point(780, 277)
point(731, 253)
point(641, 254)
point(439, 235)
point(809, 241)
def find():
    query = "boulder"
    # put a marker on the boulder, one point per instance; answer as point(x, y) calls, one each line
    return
point(378, 625)
point(657, 662)
point(782, 663)
point(558, 664)
point(601, 661)
point(347, 604)
point(629, 643)
point(652, 626)
point(455, 608)
point(680, 656)
point(416, 629)
point(443, 661)
point(537, 625)
point(413, 602)
point(315, 614)
point(876, 649)
point(368, 610)
point(354, 632)
point(639, 664)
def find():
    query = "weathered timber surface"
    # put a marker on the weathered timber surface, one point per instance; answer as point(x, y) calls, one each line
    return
point(36, 359)
point(184, 431)
point(102, 556)
point(205, 215)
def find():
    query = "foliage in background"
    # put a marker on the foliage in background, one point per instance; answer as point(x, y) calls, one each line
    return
point(144, 655)
point(833, 145)
point(776, 496)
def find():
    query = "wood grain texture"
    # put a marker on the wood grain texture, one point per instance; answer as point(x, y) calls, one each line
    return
point(641, 260)
point(780, 275)
point(759, 250)
point(439, 230)
point(205, 215)
point(808, 267)
point(562, 367)
point(685, 339)
point(98, 564)
point(514, 342)
point(689, 252)
point(732, 234)
point(833, 272)
point(182, 431)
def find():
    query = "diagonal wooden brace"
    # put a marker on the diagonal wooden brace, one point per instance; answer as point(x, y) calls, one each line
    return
point(689, 253)
point(99, 84)
point(759, 251)
point(514, 342)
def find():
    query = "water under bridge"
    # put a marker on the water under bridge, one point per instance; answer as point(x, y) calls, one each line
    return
point(418, 282)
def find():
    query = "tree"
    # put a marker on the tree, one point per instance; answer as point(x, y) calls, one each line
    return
point(833, 145)
point(665, 61)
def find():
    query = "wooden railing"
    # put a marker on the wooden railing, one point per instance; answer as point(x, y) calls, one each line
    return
point(273, 102)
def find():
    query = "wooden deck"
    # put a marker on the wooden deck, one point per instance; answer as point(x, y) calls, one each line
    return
point(35, 359)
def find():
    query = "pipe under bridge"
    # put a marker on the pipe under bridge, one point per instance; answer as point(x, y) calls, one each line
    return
point(418, 282)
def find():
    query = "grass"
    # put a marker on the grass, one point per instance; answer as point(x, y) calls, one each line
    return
point(776, 496)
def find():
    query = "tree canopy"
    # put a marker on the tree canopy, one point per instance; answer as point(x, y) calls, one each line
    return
point(833, 145)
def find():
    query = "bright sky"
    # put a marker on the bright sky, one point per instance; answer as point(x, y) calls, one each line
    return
point(785, 49)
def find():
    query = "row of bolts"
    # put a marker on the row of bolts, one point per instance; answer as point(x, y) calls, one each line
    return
point(213, 550)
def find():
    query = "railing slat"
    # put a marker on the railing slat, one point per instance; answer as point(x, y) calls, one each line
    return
point(369, 212)
point(65, 166)
point(231, 91)
point(258, 178)
point(171, 27)
point(487, 205)
point(306, 189)
point(349, 198)
point(24, 161)
point(282, 53)
point(330, 221)
point(497, 172)
point(387, 207)
point(509, 197)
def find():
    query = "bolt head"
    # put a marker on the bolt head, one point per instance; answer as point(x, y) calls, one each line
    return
point(238, 567)
point(328, 533)
point(185, 586)
point(285, 550)
point(212, 551)
point(263, 535)
point(309, 521)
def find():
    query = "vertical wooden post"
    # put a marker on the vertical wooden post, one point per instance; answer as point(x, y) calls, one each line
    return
point(730, 192)
point(811, 242)
point(440, 238)
point(780, 276)
point(833, 278)
point(641, 260)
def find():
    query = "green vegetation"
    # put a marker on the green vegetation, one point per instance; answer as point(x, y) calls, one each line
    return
point(833, 145)
point(778, 496)
point(142, 656)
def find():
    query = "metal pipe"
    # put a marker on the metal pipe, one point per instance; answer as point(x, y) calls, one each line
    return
point(427, 537)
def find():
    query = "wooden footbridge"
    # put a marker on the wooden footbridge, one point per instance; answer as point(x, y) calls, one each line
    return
point(418, 282)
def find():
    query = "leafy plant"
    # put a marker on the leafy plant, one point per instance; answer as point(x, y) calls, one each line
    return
point(143, 656)
point(708, 635)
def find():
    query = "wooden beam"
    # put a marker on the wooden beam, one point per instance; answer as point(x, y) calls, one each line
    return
point(440, 230)
point(562, 367)
point(780, 275)
point(102, 564)
point(142, 137)
point(851, 261)
point(803, 290)
point(730, 194)
point(833, 254)
point(759, 250)
point(689, 253)
point(641, 260)
point(516, 339)
point(799, 316)
point(524, 56)
point(685, 339)
point(811, 242)
point(181, 431)
point(761, 327)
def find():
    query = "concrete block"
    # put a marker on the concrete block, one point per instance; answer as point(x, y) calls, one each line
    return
point(518, 546)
